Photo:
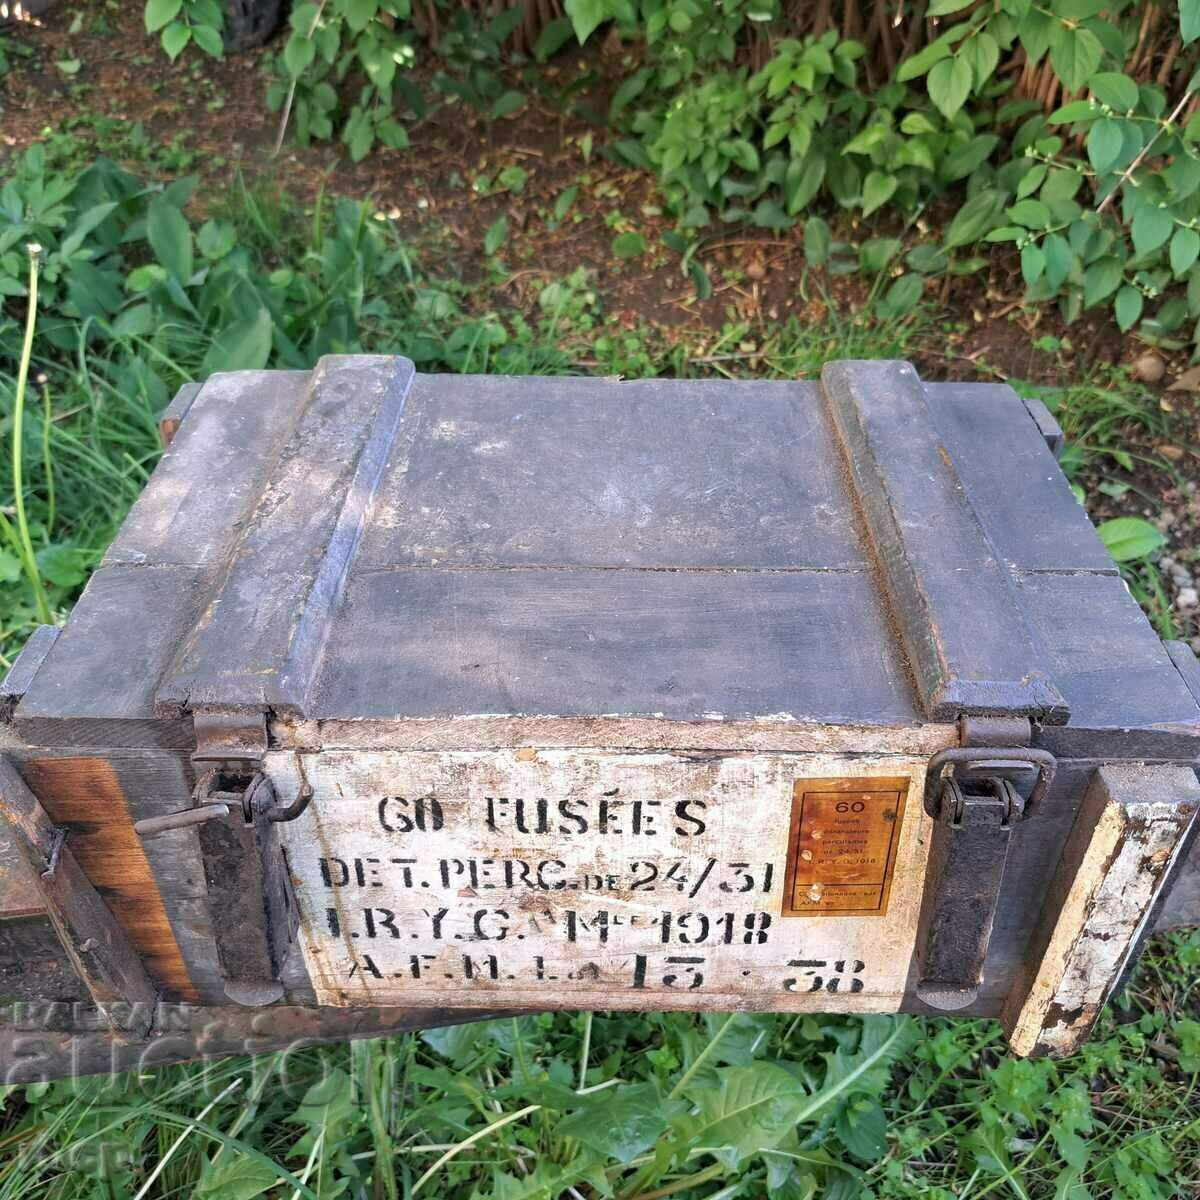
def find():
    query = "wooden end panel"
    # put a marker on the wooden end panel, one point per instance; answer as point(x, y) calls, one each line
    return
point(84, 795)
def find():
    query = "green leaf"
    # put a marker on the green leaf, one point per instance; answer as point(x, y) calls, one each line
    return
point(298, 54)
point(1114, 89)
point(1101, 279)
point(170, 239)
point(64, 566)
point(496, 233)
point(902, 297)
point(619, 1123)
point(975, 218)
point(1128, 538)
point(941, 8)
point(1189, 20)
point(878, 189)
point(1076, 110)
point(1127, 307)
point(566, 198)
point(552, 39)
point(1185, 245)
point(862, 1127)
point(513, 179)
point(242, 346)
point(1105, 139)
point(11, 567)
point(1033, 214)
point(928, 260)
point(160, 13)
point(585, 16)
point(1075, 55)
point(507, 104)
point(174, 38)
point(1150, 228)
point(949, 84)
point(920, 62)
point(236, 1178)
point(1033, 263)
point(817, 240)
point(359, 13)
point(216, 239)
point(1059, 260)
point(209, 40)
point(749, 1109)
point(629, 245)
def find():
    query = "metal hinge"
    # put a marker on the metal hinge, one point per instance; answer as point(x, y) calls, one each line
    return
point(235, 813)
point(976, 793)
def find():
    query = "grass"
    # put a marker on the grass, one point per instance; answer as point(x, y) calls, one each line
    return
point(644, 1106)
point(628, 1106)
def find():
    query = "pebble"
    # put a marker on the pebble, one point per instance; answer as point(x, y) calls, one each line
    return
point(1187, 597)
point(1149, 368)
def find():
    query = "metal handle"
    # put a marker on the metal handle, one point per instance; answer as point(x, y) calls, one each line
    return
point(974, 794)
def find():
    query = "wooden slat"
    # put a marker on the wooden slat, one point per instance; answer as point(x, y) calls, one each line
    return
point(84, 795)
point(951, 597)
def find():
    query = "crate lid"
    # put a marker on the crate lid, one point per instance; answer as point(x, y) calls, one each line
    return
point(363, 543)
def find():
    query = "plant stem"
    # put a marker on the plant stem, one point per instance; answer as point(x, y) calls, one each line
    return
point(475, 1137)
point(587, 1048)
point(31, 567)
point(1137, 162)
point(685, 1078)
point(687, 1181)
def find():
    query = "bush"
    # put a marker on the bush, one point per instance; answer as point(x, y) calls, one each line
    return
point(747, 113)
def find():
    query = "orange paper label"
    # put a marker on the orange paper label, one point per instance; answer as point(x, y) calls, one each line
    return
point(842, 849)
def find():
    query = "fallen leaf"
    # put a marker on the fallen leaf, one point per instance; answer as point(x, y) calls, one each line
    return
point(1174, 453)
point(1189, 381)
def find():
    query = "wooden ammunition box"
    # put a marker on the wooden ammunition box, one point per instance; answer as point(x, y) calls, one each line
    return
point(405, 698)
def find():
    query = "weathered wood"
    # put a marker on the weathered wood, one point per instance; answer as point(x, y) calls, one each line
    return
point(605, 879)
point(97, 945)
point(16, 682)
point(1015, 488)
point(1128, 833)
point(679, 645)
point(493, 574)
point(261, 638)
point(173, 414)
point(85, 796)
point(952, 599)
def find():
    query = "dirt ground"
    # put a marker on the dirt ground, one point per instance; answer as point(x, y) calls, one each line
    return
point(92, 64)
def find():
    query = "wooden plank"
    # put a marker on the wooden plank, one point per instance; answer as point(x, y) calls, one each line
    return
point(493, 471)
point(97, 945)
point(499, 732)
point(212, 474)
point(1108, 662)
point(580, 879)
point(261, 637)
point(84, 795)
point(950, 595)
point(1010, 477)
point(20, 675)
point(799, 646)
point(173, 414)
point(96, 686)
point(1129, 831)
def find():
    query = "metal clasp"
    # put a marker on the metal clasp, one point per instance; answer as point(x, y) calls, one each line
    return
point(219, 792)
point(1020, 775)
point(976, 795)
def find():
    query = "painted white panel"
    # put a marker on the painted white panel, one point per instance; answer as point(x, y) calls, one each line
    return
point(582, 879)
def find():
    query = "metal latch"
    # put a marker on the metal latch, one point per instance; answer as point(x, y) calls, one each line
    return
point(235, 813)
point(220, 793)
point(976, 796)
